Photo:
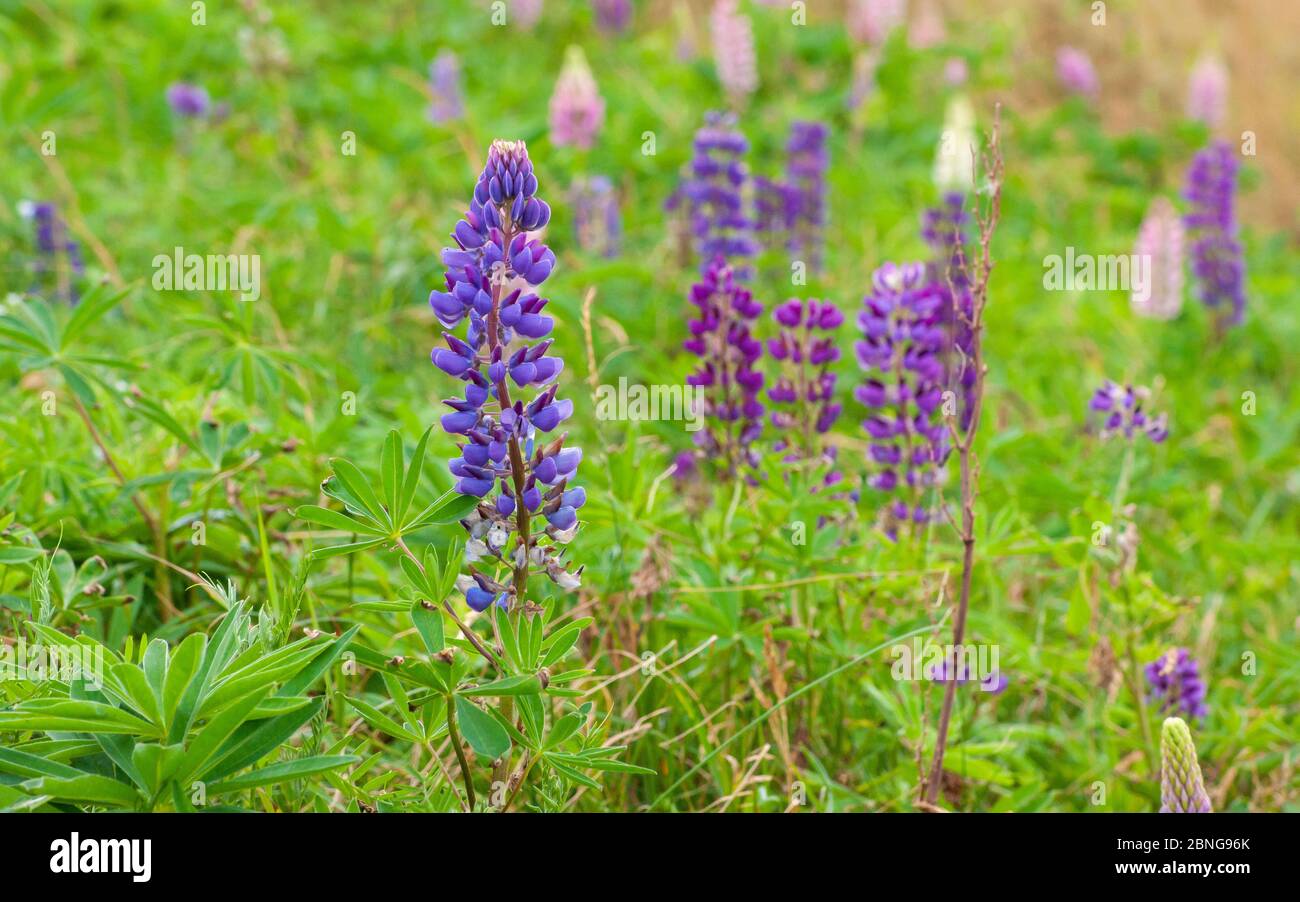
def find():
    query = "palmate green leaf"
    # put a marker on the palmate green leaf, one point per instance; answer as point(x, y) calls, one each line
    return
point(306, 677)
point(26, 764)
point(323, 516)
point(599, 762)
point(391, 469)
point(481, 731)
point(359, 487)
point(411, 483)
point(524, 684)
point(285, 770)
point(320, 554)
point(217, 653)
point(139, 694)
point(96, 302)
point(253, 742)
point(450, 507)
point(428, 622)
point(156, 413)
point(90, 788)
point(155, 764)
point(18, 554)
point(568, 770)
point(69, 715)
point(182, 667)
point(382, 722)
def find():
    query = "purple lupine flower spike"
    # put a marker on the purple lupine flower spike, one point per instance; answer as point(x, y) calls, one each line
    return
point(1182, 788)
point(188, 101)
point(871, 21)
point(901, 352)
point(493, 273)
point(596, 220)
point(1175, 680)
point(943, 228)
point(733, 51)
point(58, 255)
point(448, 100)
point(1160, 240)
point(1075, 70)
point(1122, 412)
point(713, 191)
point(727, 377)
point(612, 16)
point(525, 13)
point(1217, 262)
point(806, 162)
point(577, 110)
point(776, 210)
point(803, 397)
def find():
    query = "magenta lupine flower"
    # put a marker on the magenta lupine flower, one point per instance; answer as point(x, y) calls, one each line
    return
point(1217, 263)
point(612, 16)
point(1207, 91)
point(1175, 681)
point(871, 21)
point(577, 109)
point(188, 101)
point(943, 228)
point(803, 397)
point(733, 51)
point(1160, 239)
point(492, 276)
point(1121, 412)
point(713, 192)
point(901, 352)
point(1182, 788)
point(596, 222)
point(1075, 70)
point(448, 101)
point(721, 337)
point(806, 162)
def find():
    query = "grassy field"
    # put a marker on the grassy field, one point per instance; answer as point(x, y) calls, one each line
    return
point(177, 464)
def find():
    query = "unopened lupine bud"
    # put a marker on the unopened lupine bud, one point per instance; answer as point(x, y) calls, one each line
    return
point(1182, 788)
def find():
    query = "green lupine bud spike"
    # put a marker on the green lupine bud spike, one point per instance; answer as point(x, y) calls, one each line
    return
point(1182, 790)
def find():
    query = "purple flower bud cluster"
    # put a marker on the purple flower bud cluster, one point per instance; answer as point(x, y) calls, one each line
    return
point(1217, 262)
point(1175, 681)
point(492, 276)
point(901, 351)
point(994, 683)
point(806, 163)
point(596, 221)
point(714, 192)
point(1120, 408)
point(55, 249)
point(943, 228)
point(803, 396)
point(188, 101)
point(721, 337)
point(448, 101)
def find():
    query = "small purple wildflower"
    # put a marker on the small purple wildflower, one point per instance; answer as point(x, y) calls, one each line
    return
point(58, 255)
point(901, 352)
point(188, 101)
point(994, 683)
point(803, 397)
point(1175, 680)
point(1075, 70)
point(612, 16)
point(721, 337)
point(1122, 413)
point(1217, 262)
point(448, 100)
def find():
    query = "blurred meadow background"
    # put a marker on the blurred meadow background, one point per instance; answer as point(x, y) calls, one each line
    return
point(157, 446)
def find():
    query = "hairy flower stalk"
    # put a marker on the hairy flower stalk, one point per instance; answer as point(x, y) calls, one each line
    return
point(806, 163)
point(1161, 239)
point(1182, 788)
point(448, 101)
point(721, 337)
point(1175, 680)
point(1211, 223)
point(1122, 413)
point(902, 353)
point(596, 221)
point(733, 51)
point(714, 195)
point(492, 276)
point(577, 109)
point(803, 398)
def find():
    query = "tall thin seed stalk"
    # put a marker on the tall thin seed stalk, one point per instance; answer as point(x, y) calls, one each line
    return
point(987, 164)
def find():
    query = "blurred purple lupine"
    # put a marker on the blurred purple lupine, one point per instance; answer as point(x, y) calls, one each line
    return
point(927, 28)
point(943, 228)
point(733, 51)
point(596, 222)
point(492, 276)
point(188, 101)
point(727, 375)
point(713, 192)
point(1207, 91)
point(994, 683)
point(806, 162)
point(612, 16)
point(1120, 407)
point(1217, 262)
point(58, 255)
point(1182, 787)
point(447, 99)
point(577, 109)
point(871, 21)
point(955, 72)
point(1075, 70)
point(901, 352)
point(526, 12)
point(1160, 240)
point(776, 207)
point(803, 397)
point(1175, 681)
